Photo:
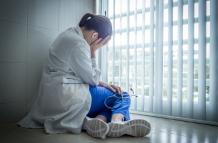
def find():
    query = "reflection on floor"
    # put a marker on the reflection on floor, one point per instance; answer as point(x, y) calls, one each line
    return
point(163, 131)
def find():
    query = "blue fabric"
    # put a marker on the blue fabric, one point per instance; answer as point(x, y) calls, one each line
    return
point(106, 103)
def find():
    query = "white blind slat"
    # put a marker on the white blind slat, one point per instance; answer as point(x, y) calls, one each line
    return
point(120, 49)
point(180, 57)
point(113, 56)
point(190, 56)
point(156, 58)
point(202, 59)
point(128, 9)
point(170, 56)
point(151, 83)
point(143, 45)
point(214, 60)
point(159, 57)
point(135, 58)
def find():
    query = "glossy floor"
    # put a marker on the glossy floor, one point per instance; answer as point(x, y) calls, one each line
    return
point(163, 131)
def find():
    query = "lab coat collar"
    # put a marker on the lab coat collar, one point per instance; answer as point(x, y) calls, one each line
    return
point(79, 31)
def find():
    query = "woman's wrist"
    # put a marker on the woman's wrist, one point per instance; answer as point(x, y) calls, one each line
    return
point(92, 53)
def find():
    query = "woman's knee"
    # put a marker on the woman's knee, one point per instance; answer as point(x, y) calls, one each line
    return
point(126, 97)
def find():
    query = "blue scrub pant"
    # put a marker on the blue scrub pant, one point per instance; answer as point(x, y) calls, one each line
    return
point(105, 102)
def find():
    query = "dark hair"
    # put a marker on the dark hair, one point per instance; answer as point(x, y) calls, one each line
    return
point(99, 23)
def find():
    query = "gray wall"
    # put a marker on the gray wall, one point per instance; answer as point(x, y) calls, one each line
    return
point(27, 28)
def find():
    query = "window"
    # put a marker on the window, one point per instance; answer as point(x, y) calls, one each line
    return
point(161, 49)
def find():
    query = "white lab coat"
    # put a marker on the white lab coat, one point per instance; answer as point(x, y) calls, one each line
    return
point(64, 99)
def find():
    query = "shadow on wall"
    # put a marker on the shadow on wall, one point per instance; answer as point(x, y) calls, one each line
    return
point(21, 74)
point(28, 27)
point(39, 43)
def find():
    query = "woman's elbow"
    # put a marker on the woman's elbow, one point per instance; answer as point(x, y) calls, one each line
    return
point(90, 80)
point(94, 82)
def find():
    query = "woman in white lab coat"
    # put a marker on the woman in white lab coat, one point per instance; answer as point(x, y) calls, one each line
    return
point(70, 86)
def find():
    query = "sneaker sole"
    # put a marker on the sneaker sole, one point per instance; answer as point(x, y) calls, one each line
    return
point(96, 128)
point(136, 128)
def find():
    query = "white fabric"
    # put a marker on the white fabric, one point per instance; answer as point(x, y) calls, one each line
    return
point(64, 98)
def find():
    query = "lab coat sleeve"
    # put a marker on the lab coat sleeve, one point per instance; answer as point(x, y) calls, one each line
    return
point(84, 65)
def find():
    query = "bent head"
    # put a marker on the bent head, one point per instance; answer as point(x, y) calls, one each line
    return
point(95, 26)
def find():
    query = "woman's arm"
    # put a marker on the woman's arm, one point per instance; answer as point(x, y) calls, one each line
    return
point(85, 67)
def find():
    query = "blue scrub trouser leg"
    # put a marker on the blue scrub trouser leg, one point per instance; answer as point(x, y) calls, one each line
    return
point(106, 103)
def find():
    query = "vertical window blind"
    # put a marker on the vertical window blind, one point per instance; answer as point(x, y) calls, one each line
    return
point(166, 52)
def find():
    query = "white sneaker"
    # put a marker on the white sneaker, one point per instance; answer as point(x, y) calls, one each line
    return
point(136, 128)
point(96, 127)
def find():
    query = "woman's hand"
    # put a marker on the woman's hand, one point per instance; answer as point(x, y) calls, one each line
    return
point(113, 88)
point(98, 44)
